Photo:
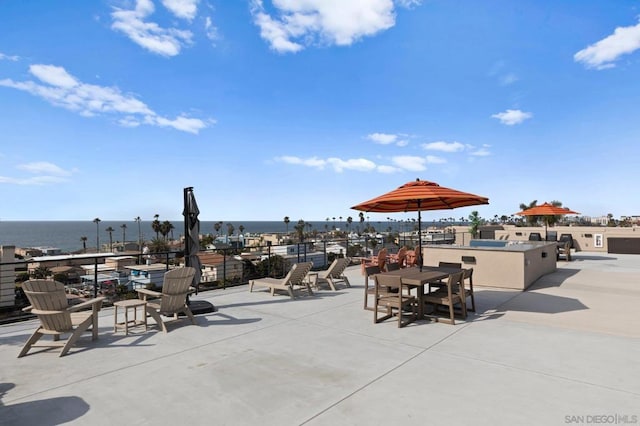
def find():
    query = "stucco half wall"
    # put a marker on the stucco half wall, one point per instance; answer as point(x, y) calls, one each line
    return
point(515, 266)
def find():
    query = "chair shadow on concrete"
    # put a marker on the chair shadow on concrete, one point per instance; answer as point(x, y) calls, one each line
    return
point(276, 300)
point(43, 412)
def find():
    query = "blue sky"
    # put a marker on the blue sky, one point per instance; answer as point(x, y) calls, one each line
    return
point(304, 108)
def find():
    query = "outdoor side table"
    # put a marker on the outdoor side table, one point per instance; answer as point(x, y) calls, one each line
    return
point(130, 304)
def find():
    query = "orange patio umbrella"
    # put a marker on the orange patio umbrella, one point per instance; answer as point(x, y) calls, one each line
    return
point(417, 196)
point(546, 209)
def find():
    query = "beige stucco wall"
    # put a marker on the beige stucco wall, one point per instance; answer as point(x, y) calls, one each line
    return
point(584, 236)
point(494, 267)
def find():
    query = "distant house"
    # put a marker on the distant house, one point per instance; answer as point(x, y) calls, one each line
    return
point(66, 260)
point(216, 267)
point(141, 276)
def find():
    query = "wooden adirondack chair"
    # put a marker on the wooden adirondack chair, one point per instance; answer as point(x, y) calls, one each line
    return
point(49, 303)
point(173, 298)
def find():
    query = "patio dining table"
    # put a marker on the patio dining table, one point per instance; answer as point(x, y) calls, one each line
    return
point(413, 277)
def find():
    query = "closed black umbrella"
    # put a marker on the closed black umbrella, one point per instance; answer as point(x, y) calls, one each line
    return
point(192, 247)
point(192, 234)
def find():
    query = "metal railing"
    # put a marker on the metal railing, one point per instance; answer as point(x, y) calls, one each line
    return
point(263, 255)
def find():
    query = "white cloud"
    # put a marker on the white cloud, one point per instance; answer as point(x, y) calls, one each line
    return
point(443, 146)
point(62, 89)
point(508, 79)
point(185, 124)
point(358, 164)
point(185, 9)
point(338, 165)
point(387, 139)
point(511, 117)
point(408, 3)
point(211, 30)
point(604, 53)
point(9, 58)
point(53, 75)
point(149, 35)
point(309, 162)
point(382, 138)
point(300, 23)
point(388, 169)
point(409, 162)
point(481, 152)
point(46, 173)
point(432, 159)
point(43, 167)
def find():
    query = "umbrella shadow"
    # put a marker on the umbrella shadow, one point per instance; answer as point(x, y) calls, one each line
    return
point(44, 412)
point(580, 257)
point(543, 303)
point(554, 279)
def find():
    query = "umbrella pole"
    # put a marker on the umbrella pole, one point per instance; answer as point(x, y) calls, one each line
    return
point(419, 237)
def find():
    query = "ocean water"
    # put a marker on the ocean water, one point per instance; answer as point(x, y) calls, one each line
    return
point(66, 235)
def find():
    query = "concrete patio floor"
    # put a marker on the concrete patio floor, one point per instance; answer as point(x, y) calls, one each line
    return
point(563, 352)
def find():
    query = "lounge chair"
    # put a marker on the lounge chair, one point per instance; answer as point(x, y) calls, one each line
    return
point(564, 249)
point(49, 303)
point(295, 278)
point(333, 275)
point(535, 236)
point(173, 298)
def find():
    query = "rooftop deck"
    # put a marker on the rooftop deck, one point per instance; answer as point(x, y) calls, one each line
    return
point(565, 349)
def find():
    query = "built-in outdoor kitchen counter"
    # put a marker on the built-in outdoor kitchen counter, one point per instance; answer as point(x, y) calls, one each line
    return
point(496, 263)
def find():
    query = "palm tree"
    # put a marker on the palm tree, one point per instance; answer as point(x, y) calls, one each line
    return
point(217, 227)
point(155, 225)
point(97, 222)
point(475, 220)
point(230, 229)
point(84, 243)
point(165, 229)
point(286, 222)
point(531, 220)
point(349, 222)
point(241, 229)
point(300, 230)
point(124, 234)
point(110, 231)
